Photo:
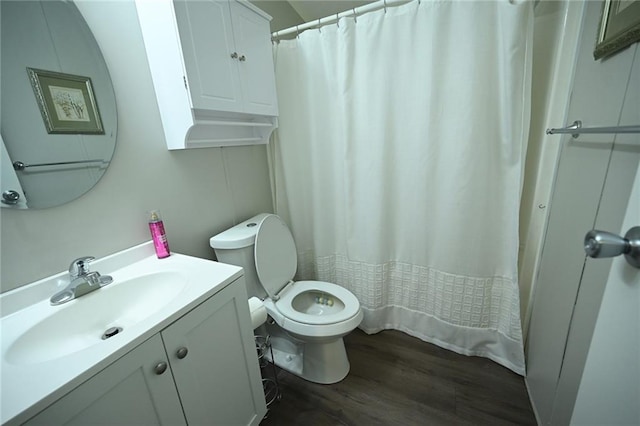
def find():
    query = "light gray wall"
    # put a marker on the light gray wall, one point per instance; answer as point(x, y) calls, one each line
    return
point(287, 14)
point(200, 192)
point(284, 16)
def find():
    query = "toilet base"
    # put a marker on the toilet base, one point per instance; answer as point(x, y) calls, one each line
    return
point(324, 363)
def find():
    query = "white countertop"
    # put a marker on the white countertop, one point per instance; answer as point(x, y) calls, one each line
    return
point(28, 388)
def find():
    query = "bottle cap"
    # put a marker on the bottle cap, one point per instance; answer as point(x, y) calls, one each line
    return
point(154, 215)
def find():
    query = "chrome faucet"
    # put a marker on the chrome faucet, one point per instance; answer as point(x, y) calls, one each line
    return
point(81, 281)
point(80, 267)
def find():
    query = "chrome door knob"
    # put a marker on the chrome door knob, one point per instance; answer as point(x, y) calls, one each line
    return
point(604, 244)
point(10, 197)
point(600, 244)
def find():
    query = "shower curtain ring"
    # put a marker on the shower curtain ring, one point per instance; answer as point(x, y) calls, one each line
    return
point(338, 20)
point(385, 6)
point(355, 16)
point(319, 30)
point(297, 32)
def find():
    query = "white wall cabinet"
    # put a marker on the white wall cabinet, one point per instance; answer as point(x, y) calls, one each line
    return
point(227, 55)
point(202, 369)
point(212, 68)
point(257, 72)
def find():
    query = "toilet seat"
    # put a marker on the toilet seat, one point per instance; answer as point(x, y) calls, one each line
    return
point(276, 262)
point(351, 304)
point(311, 331)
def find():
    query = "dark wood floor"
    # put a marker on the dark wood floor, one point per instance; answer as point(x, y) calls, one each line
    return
point(396, 379)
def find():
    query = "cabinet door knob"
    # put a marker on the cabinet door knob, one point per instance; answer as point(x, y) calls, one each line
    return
point(234, 55)
point(182, 352)
point(242, 58)
point(160, 368)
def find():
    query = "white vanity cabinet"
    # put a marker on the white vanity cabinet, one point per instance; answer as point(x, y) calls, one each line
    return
point(201, 369)
point(214, 361)
point(129, 391)
point(212, 68)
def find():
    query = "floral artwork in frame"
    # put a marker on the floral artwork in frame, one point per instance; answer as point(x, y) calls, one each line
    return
point(619, 27)
point(66, 101)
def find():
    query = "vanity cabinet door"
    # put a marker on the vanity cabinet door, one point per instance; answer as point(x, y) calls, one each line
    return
point(214, 362)
point(129, 391)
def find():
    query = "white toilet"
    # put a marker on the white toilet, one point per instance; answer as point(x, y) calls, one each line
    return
point(311, 317)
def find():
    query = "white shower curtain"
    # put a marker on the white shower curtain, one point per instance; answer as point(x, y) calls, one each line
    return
point(398, 165)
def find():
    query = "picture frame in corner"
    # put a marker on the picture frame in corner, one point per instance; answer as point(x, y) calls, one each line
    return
point(66, 101)
point(619, 27)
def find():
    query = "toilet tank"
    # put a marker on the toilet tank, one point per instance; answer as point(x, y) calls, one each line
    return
point(235, 247)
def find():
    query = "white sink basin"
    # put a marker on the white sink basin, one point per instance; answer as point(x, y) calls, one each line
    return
point(80, 323)
point(49, 350)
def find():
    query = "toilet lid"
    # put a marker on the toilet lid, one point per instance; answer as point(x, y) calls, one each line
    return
point(275, 254)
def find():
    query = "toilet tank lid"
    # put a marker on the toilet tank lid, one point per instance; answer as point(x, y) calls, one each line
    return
point(240, 236)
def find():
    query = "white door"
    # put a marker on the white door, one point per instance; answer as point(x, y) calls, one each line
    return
point(592, 190)
point(12, 193)
point(610, 386)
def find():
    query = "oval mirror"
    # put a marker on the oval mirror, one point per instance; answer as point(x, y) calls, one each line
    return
point(58, 110)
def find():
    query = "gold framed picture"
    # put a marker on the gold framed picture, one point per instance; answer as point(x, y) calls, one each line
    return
point(66, 101)
point(619, 27)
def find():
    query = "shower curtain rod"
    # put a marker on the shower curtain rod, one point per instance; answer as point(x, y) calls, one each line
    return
point(355, 12)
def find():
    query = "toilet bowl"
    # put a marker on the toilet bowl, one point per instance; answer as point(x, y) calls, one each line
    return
point(310, 318)
point(316, 309)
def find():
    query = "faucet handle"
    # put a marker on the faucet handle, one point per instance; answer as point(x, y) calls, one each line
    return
point(80, 266)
